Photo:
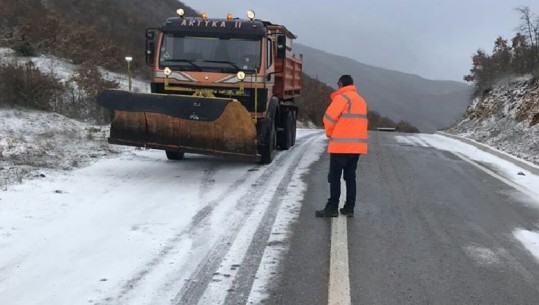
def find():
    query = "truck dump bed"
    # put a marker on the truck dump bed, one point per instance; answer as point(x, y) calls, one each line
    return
point(288, 83)
point(288, 76)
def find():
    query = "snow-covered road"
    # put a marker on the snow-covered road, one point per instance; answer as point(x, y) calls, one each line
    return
point(138, 229)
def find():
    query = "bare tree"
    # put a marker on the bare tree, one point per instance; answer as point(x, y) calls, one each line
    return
point(529, 25)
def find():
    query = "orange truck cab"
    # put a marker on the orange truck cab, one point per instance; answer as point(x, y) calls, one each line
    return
point(219, 86)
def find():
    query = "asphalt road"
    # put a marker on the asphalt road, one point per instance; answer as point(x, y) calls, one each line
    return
point(429, 229)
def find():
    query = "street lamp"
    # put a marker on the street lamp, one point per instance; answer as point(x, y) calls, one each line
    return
point(129, 59)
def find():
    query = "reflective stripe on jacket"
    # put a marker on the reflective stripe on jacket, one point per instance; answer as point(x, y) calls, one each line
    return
point(346, 122)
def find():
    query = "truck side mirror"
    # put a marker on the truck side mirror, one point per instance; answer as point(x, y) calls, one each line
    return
point(150, 47)
point(281, 47)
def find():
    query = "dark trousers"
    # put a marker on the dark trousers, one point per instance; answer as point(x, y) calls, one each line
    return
point(345, 165)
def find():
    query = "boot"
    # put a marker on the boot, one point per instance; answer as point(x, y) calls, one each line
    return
point(347, 211)
point(327, 212)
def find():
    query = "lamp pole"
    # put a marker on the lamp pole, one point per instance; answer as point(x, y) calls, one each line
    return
point(129, 59)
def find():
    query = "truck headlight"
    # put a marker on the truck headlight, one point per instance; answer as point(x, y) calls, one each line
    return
point(240, 75)
point(180, 12)
point(167, 71)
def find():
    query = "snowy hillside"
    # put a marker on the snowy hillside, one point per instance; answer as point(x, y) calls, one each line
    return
point(507, 118)
point(33, 143)
point(63, 70)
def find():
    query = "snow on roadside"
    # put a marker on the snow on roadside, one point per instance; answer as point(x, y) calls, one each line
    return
point(75, 245)
point(510, 171)
point(530, 240)
point(33, 143)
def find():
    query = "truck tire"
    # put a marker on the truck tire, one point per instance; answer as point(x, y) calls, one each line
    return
point(174, 155)
point(294, 127)
point(268, 150)
point(286, 136)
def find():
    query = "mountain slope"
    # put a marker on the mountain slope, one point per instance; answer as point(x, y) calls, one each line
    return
point(99, 32)
point(427, 104)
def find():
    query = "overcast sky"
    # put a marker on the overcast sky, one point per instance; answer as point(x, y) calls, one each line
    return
point(432, 38)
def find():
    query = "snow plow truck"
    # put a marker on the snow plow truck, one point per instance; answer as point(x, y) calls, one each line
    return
point(219, 87)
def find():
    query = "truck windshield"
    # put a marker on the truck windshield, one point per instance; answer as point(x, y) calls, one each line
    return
point(209, 54)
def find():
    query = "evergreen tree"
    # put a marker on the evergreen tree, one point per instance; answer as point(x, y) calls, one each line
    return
point(501, 57)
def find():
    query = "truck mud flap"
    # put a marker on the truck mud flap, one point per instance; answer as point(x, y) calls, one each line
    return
point(181, 123)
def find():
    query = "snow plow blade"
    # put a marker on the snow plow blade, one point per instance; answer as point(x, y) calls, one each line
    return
point(205, 125)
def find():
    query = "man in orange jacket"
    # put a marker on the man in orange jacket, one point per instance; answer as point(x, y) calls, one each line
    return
point(345, 122)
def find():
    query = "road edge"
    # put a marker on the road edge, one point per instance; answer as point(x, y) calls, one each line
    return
point(498, 153)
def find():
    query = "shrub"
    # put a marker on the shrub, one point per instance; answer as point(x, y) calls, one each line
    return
point(24, 48)
point(24, 85)
point(83, 88)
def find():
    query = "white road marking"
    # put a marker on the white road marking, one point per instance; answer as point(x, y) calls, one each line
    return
point(493, 174)
point(339, 279)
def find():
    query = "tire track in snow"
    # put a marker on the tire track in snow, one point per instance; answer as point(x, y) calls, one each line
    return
point(198, 222)
point(207, 181)
point(192, 291)
point(243, 282)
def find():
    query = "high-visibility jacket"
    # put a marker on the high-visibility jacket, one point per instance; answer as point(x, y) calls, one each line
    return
point(346, 122)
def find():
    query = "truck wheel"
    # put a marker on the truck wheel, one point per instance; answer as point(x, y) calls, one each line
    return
point(285, 139)
point(293, 131)
point(268, 150)
point(174, 155)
